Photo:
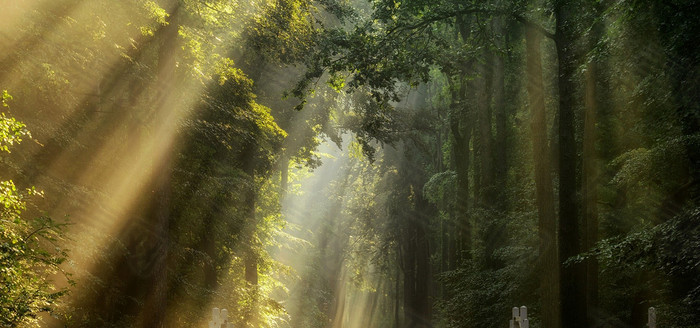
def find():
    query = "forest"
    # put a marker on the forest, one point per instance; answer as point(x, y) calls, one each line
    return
point(350, 163)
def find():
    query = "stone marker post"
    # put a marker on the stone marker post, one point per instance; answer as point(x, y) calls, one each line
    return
point(652, 318)
point(519, 318)
point(219, 319)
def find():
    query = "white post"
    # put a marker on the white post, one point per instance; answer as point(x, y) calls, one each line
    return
point(519, 318)
point(224, 315)
point(652, 318)
point(219, 319)
point(515, 316)
point(215, 312)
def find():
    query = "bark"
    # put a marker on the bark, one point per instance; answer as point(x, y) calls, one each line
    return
point(250, 257)
point(572, 289)
point(156, 303)
point(251, 268)
point(155, 310)
point(493, 229)
point(496, 235)
point(445, 224)
point(371, 308)
point(414, 257)
point(461, 134)
point(397, 293)
point(544, 193)
point(284, 175)
point(452, 245)
point(409, 273)
point(250, 254)
point(499, 109)
point(477, 177)
point(423, 270)
point(485, 133)
point(461, 129)
point(417, 277)
point(590, 177)
point(444, 253)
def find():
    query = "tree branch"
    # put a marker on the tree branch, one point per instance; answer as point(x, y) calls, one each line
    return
point(537, 27)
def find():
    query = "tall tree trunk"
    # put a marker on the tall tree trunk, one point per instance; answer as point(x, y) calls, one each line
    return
point(284, 175)
point(156, 303)
point(155, 309)
point(250, 257)
point(409, 272)
point(250, 194)
point(485, 131)
point(397, 292)
point(423, 280)
point(474, 157)
point(461, 134)
point(461, 128)
point(417, 306)
point(572, 289)
point(499, 109)
point(590, 175)
point(548, 262)
point(492, 229)
point(452, 243)
point(444, 252)
point(250, 253)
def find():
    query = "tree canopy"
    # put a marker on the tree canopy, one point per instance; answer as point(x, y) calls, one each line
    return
point(349, 163)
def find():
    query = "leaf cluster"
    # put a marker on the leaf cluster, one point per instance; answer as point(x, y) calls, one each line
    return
point(30, 249)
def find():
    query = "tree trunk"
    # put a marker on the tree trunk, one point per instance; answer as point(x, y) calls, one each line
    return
point(417, 306)
point(409, 272)
point(156, 303)
point(284, 175)
point(444, 253)
point(452, 244)
point(423, 280)
point(250, 246)
point(485, 133)
point(397, 293)
point(544, 193)
point(461, 128)
point(499, 109)
point(250, 256)
point(590, 176)
point(461, 134)
point(572, 289)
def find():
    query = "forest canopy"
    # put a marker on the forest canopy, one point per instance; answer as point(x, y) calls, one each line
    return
point(349, 163)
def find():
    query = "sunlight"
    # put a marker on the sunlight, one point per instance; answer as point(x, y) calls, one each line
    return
point(130, 152)
point(348, 164)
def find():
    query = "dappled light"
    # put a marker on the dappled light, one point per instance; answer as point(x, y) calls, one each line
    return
point(349, 163)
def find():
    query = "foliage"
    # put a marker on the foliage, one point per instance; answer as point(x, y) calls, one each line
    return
point(11, 130)
point(415, 83)
point(157, 14)
point(283, 31)
point(669, 250)
point(440, 189)
point(30, 250)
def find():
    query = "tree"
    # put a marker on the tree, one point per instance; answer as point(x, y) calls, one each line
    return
point(548, 259)
point(30, 249)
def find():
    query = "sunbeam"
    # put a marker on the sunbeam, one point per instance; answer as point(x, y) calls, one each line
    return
point(349, 163)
